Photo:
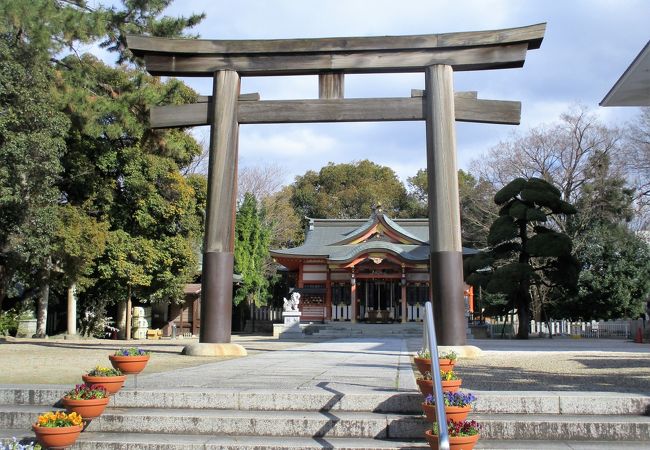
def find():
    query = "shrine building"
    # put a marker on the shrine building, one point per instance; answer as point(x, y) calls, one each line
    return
point(374, 270)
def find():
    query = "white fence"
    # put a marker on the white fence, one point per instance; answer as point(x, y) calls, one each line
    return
point(415, 313)
point(593, 329)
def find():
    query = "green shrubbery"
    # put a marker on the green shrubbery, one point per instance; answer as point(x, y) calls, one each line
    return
point(8, 322)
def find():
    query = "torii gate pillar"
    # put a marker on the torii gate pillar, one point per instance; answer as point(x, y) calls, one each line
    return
point(446, 257)
point(219, 238)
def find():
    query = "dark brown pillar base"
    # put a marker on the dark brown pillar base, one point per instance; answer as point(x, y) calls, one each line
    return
point(448, 305)
point(216, 297)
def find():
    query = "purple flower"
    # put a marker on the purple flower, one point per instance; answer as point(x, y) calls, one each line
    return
point(453, 399)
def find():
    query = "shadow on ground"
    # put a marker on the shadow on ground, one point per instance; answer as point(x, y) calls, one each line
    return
point(596, 373)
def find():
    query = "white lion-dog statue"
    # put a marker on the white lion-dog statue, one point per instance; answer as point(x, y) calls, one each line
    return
point(292, 304)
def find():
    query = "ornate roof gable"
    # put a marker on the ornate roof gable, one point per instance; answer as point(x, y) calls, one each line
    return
point(380, 228)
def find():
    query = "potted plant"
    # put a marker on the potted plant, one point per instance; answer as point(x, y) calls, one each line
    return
point(457, 406)
point(446, 361)
point(462, 435)
point(450, 382)
point(58, 429)
point(15, 444)
point(111, 379)
point(131, 360)
point(87, 400)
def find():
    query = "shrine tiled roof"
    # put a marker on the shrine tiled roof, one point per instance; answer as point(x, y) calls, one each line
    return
point(333, 239)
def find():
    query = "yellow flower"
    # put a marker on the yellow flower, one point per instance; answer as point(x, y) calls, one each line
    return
point(58, 419)
point(75, 418)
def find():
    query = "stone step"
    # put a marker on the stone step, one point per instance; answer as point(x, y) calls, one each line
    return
point(233, 423)
point(344, 424)
point(513, 402)
point(484, 444)
point(259, 400)
point(89, 440)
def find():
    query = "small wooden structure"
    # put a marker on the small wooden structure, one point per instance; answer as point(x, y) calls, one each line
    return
point(436, 55)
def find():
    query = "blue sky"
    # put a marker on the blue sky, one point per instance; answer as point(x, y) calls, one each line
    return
point(588, 45)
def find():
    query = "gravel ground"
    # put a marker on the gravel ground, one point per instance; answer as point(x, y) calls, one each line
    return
point(59, 361)
point(559, 364)
point(534, 365)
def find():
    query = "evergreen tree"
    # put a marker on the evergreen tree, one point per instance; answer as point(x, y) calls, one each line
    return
point(524, 251)
point(129, 176)
point(32, 133)
point(349, 191)
point(252, 239)
point(614, 279)
point(113, 169)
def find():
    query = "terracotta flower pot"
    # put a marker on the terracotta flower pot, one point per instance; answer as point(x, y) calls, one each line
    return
point(88, 409)
point(58, 437)
point(424, 364)
point(447, 364)
point(112, 384)
point(426, 386)
point(130, 365)
point(455, 413)
point(452, 385)
point(455, 443)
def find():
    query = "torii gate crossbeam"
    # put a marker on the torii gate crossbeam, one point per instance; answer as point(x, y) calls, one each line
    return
point(436, 55)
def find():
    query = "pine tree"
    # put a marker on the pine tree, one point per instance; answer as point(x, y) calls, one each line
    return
point(524, 249)
point(110, 166)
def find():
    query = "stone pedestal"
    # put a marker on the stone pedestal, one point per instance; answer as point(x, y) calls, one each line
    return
point(291, 326)
point(291, 318)
point(26, 328)
point(212, 349)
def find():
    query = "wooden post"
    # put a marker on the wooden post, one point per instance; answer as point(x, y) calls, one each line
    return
point(196, 317)
point(331, 85)
point(403, 292)
point(328, 296)
point(72, 310)
point(446, 264)
point(353, 297)
point(218, 246)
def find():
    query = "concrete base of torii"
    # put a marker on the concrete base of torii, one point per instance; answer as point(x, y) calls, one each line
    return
point(214, 349)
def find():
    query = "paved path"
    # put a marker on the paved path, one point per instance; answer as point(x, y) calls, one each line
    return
point(344, 365)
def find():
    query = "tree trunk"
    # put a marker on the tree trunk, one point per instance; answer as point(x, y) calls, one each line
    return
point(43, 300)
point(120, 320)
point(523, 300)
point(72, 309)
point(128, 316)
point(523, 293)
point(3, 285)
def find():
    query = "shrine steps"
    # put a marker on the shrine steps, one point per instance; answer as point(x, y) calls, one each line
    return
point(347, 329)
point(264, 419)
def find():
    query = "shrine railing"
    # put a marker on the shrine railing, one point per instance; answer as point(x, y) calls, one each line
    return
point(431, 343)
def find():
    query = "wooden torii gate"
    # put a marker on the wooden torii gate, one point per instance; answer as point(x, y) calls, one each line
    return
point(437, 55)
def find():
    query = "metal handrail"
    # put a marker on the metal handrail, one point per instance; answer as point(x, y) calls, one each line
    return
point(431, 343)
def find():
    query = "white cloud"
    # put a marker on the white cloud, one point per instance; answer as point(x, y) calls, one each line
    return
point(292, 143)
point(588, 44)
